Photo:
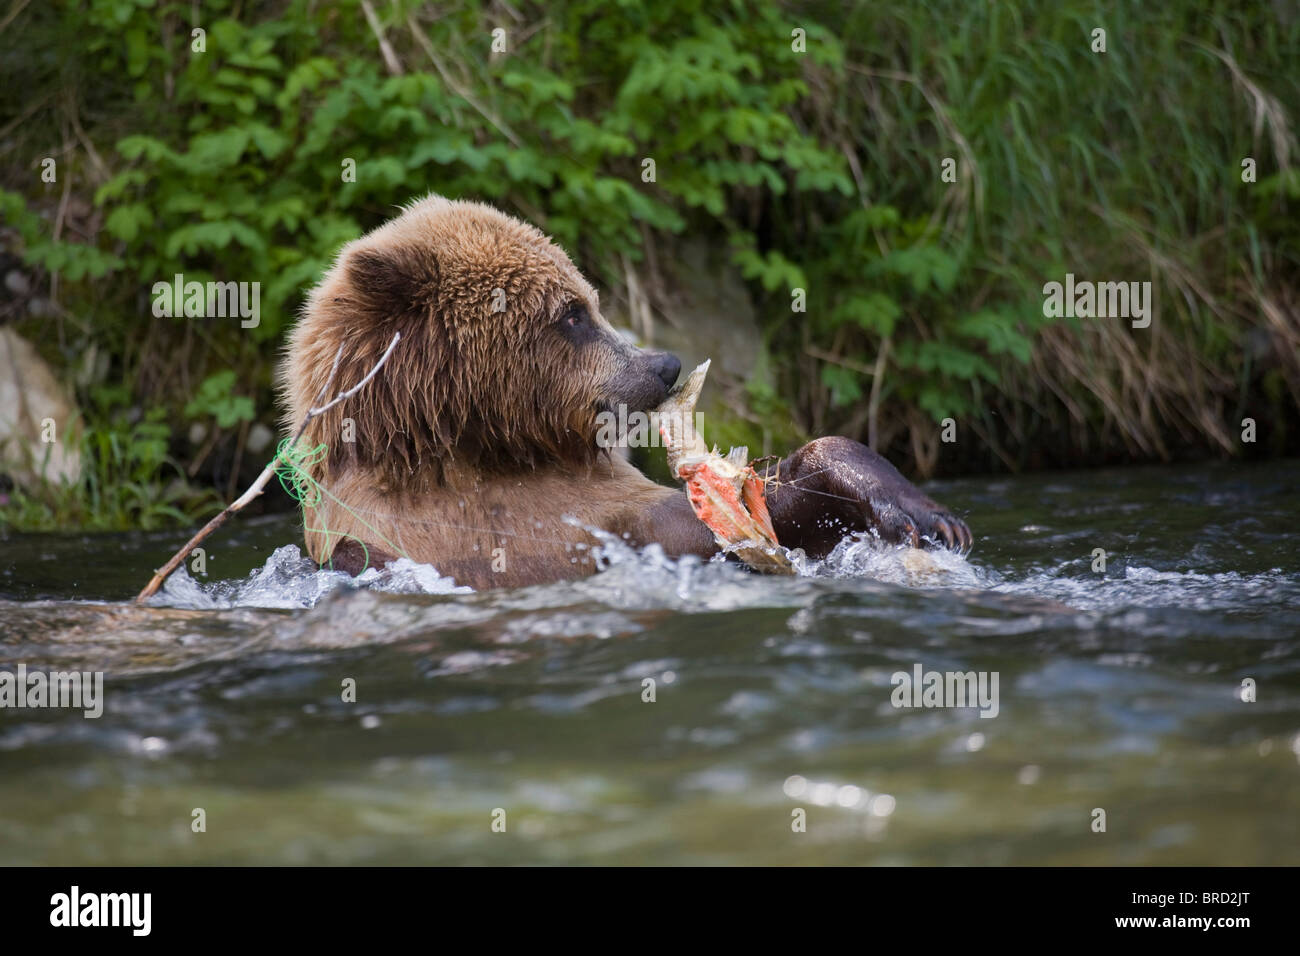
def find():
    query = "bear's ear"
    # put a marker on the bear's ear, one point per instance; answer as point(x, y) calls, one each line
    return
point(389, 282)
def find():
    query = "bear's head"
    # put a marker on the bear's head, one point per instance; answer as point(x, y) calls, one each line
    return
point(504, 362)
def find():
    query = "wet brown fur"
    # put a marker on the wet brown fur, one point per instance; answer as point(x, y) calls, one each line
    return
point(476, 442)
point(479, 432)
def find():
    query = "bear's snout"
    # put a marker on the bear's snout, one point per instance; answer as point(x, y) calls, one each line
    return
point(666, 365)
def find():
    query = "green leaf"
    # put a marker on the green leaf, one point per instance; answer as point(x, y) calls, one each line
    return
point(874, 312)
point(213, 398)
point(125, 222)
point(843, 385)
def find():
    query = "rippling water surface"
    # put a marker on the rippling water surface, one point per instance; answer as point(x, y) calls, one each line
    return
point(1118, 690)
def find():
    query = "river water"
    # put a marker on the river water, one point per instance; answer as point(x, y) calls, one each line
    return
point(773, 736)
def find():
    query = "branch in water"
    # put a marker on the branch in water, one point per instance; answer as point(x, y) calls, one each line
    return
point(257, 486)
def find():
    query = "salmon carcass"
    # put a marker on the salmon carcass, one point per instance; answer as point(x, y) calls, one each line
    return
point(724, 490)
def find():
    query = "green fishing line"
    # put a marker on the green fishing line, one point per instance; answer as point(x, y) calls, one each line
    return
point(292, 464)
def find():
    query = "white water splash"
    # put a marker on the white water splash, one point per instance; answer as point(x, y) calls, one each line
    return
point(1137, 586)
point(291, 580)
point(644, 577)
point(867, 556)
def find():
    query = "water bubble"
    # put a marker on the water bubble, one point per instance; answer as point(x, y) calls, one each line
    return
point(882, 805)
point(849, 796)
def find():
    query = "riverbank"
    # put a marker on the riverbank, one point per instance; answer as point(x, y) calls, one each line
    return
point(857, 211)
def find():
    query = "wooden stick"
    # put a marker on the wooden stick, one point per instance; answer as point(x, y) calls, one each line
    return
point(257, 486)
point(456, 87)
point(385, 48)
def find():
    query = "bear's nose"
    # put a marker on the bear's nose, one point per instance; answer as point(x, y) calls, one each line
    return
point(667, 366)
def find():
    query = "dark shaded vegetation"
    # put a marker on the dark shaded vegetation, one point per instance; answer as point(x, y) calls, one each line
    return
point(818, 171)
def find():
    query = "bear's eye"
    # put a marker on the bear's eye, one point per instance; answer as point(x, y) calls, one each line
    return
point(575, 316)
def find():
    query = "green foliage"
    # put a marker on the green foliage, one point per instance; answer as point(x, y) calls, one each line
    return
point(128, 481)
point(214, 398)
point(75, 261)
point(819, 171)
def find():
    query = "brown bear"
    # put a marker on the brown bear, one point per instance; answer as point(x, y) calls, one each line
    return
point(474, 449)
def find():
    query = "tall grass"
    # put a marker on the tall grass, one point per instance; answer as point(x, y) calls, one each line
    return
point(817, 170)
point(1117, 166)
